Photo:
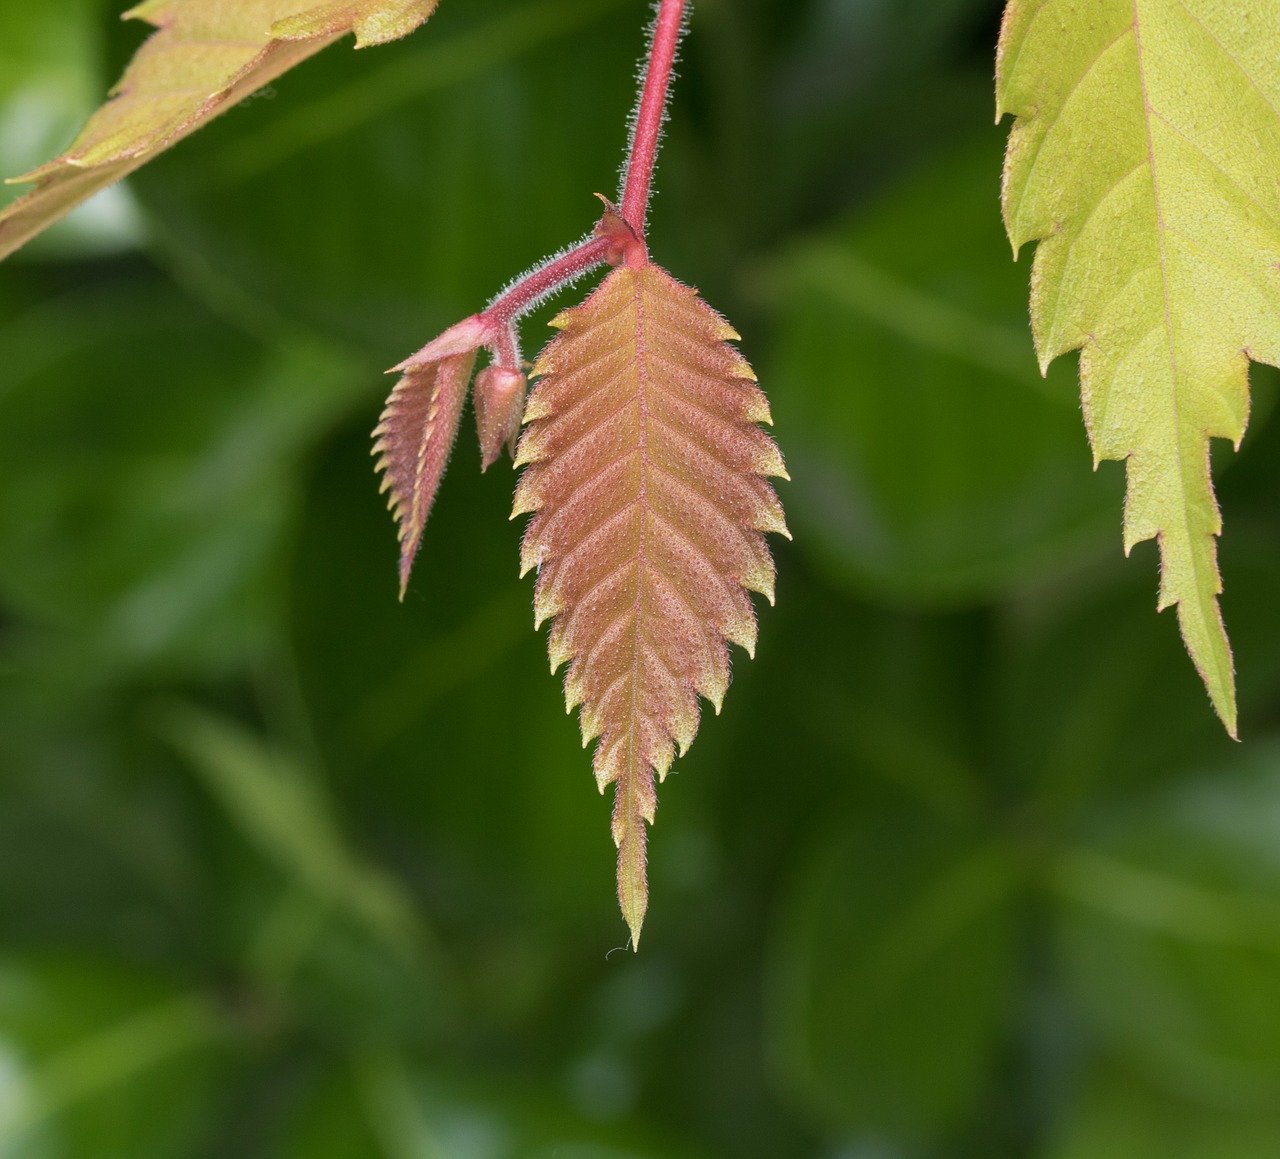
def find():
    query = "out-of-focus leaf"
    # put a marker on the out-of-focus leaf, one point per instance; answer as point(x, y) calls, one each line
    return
point(202, 60)
point(141, 517)
point(821, 88)
point(893, 972)
point(930, 459)
point(383, 1106)
point(1171, 931)
point(404, 696)
point(97, 1060)
point(279, 806)
point(1089, 691)
point(646, 479)
point(1145, 159)
point(837, 50)
point(1120, 1118)
point(331, 1123)
point(342, 941)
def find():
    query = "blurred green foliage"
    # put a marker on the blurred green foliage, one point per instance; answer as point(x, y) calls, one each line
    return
point(291, 871)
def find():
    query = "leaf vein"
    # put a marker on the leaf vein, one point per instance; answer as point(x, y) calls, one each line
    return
point(1227, 54)
point(1070, 94)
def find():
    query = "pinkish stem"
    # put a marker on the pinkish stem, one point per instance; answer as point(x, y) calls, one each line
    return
point(526, 292)
point(620, 236)
point(650, 114)
point(502, 314)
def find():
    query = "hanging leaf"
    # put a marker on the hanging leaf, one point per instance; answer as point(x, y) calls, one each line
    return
point(1146, 160)
point(645, 465)
point(414, 439)
point(201, 61)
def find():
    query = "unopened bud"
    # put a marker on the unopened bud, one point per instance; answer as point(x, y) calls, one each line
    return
point(500, 393)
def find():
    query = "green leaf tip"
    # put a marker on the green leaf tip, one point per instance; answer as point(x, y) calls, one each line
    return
point(1145, 161)
point(1211, 653)
point(633, 887)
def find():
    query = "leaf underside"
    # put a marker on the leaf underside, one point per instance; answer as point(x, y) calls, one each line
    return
point(645, 478)
point(413, 441)
point(204, 57)
point(1146, 160)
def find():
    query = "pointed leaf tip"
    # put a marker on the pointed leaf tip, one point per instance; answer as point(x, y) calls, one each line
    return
point(646, 479)
point(633, 883)
point(413, 441)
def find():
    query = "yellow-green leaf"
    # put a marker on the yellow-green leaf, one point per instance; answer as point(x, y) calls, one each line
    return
point(1146, 160)
point(204, 57)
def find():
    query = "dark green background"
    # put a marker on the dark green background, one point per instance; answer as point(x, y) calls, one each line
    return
point(289, 870)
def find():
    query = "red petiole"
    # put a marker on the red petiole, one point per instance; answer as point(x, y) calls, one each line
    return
point(619, 236)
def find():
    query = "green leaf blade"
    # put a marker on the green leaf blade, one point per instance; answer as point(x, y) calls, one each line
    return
point(1145, 160)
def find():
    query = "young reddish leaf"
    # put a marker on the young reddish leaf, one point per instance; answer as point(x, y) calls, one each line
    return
point(202, 60)
point(414, 438)
point(500, 396)
point(645, 467)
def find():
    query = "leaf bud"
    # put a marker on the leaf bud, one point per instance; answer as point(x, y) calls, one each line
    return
point(499, 394)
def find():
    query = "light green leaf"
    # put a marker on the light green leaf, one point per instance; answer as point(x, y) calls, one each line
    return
point(201, 60)
point(1146, 160)
point(48, 87)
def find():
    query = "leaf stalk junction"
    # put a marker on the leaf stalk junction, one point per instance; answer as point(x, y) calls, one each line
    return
point(618, 237)
point(644, 475)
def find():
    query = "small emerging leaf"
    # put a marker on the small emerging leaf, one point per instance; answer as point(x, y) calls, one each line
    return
point(645, 465)
point(413, 441)
point(500, 395)
point(1146, 159)
point(202, 60)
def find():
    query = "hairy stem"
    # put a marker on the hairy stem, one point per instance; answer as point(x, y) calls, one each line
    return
point(526, 292)
point(505, 349)
point(650, 114)
point(620, 235)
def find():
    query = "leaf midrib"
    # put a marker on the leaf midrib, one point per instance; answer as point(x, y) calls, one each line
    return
point(1147, 115)
point(638, 642)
